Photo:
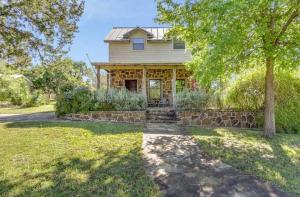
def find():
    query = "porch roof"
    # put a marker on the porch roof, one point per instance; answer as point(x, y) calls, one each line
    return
point(113, 66)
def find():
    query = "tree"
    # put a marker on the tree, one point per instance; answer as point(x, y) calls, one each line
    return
point(36, 28)
point(52, 77)
point(227, 36)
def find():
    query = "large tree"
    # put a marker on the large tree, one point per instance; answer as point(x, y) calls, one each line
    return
point(228, 36)
point(36, 28)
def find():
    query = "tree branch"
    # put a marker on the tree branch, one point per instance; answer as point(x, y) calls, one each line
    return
point(287, 23)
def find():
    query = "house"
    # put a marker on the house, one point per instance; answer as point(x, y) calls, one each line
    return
point(145, 60)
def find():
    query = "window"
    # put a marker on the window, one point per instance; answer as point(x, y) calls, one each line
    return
point(154, 89)
point(131, 85)
point(178, 44)
point(180, 85)
point(138, 43)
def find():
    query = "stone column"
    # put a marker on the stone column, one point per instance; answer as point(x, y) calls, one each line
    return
point(174, 87)
point(144, 83)
point(98, 78)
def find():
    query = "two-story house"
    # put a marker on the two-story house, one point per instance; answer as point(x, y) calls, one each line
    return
point(145, 60)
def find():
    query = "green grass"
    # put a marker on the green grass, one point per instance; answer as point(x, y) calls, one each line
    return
point(72, 159)
point(27, 110)
point(276, 160)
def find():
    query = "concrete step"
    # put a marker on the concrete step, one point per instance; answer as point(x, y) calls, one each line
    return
point(161, 121)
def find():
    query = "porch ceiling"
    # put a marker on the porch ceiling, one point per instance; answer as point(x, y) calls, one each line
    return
point(115, 66)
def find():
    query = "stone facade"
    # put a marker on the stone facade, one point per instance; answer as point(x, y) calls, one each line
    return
point(218, 119)
point(119, 76)
point(112, 116)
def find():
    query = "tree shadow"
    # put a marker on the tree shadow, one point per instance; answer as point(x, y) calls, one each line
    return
point(111, 174)
point(97, 128)
point(267, 159)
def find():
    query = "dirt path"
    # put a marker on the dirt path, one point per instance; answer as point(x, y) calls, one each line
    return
point(42, 116)
point(176, 163)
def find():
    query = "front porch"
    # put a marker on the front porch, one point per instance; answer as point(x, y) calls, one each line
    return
point(157, 82)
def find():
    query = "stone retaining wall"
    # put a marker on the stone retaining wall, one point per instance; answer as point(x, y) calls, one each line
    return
point(205, 118)
point(218, 119)
point(113, 116)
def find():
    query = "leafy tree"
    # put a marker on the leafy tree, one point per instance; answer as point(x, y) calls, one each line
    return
point(227, 36)
point(36, 28)
point(52, 77)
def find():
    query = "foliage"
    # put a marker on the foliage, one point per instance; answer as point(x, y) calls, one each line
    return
point(83, 99)
point(228, 36)
point(37, 28)
point(276, 160)
point(17, 89)
point(121, 100)
point(73, 159)
point(191, 100)
point(80, 99)
point(247, 93)
point(225, 40)
point(58, 74)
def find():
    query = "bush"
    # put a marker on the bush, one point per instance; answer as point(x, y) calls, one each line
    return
point(191, 100)
point(120, 100)
point(80, 99)
point(17, 90)
point(84, 99)
point(247, 93)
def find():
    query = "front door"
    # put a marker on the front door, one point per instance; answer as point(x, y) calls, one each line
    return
point(154, 91)
point(131, 85)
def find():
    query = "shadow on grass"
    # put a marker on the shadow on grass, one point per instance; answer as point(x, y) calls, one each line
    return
point(251, 153)
point(98, 128)
point(111, 174)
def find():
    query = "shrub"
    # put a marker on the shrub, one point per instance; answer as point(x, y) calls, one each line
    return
point(80, 99)
point(247, 93)
point(191, 100)
point(15, 90)
point(120, 100)
point(37, 98)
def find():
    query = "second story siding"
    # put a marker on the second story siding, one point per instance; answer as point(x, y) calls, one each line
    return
point(155, 51)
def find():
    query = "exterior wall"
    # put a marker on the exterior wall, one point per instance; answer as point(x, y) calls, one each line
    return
point(118, 78)
point(112, 116)
point(218, 119)
point(154, 52)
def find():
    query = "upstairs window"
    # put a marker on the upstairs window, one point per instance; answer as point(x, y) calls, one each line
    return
point(178, 44)
point(138, 44)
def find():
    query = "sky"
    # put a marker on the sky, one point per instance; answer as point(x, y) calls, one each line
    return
point(99, 17)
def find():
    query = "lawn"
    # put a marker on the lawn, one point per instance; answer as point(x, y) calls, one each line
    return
point(27, 110)
point(72, 159)
point(276, 160)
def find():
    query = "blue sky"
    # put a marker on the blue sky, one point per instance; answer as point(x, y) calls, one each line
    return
point(98, 19)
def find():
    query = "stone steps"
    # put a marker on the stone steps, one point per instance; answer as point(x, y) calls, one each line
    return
point(161, 115)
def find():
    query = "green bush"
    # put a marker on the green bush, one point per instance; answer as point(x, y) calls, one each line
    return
point(191, 100)
point(120, 100)
point(80, 99)
point(247, 93)
point(84, 99)
point(18, 91)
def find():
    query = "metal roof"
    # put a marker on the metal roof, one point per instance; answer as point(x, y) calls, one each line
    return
point(121, 33)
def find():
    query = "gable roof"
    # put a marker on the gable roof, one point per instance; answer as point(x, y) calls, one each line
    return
point(121, 34)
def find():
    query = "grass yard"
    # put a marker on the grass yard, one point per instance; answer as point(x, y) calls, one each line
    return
point(276, 160)
point(27, 110)
point(72, 159)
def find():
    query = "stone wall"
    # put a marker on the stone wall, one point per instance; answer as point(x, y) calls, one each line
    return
point(113, 116)
point(204, 119)
point(218, 119)
point(118, 78)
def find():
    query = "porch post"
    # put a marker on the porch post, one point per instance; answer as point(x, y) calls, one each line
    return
point(144, 83)
point(108, 79)
point(174, 87)
point(98, 78)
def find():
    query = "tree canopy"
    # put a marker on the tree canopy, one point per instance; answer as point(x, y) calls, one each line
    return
point(36, 28)
point(227, 36)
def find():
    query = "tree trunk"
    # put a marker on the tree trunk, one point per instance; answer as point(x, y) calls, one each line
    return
point(269, 116)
